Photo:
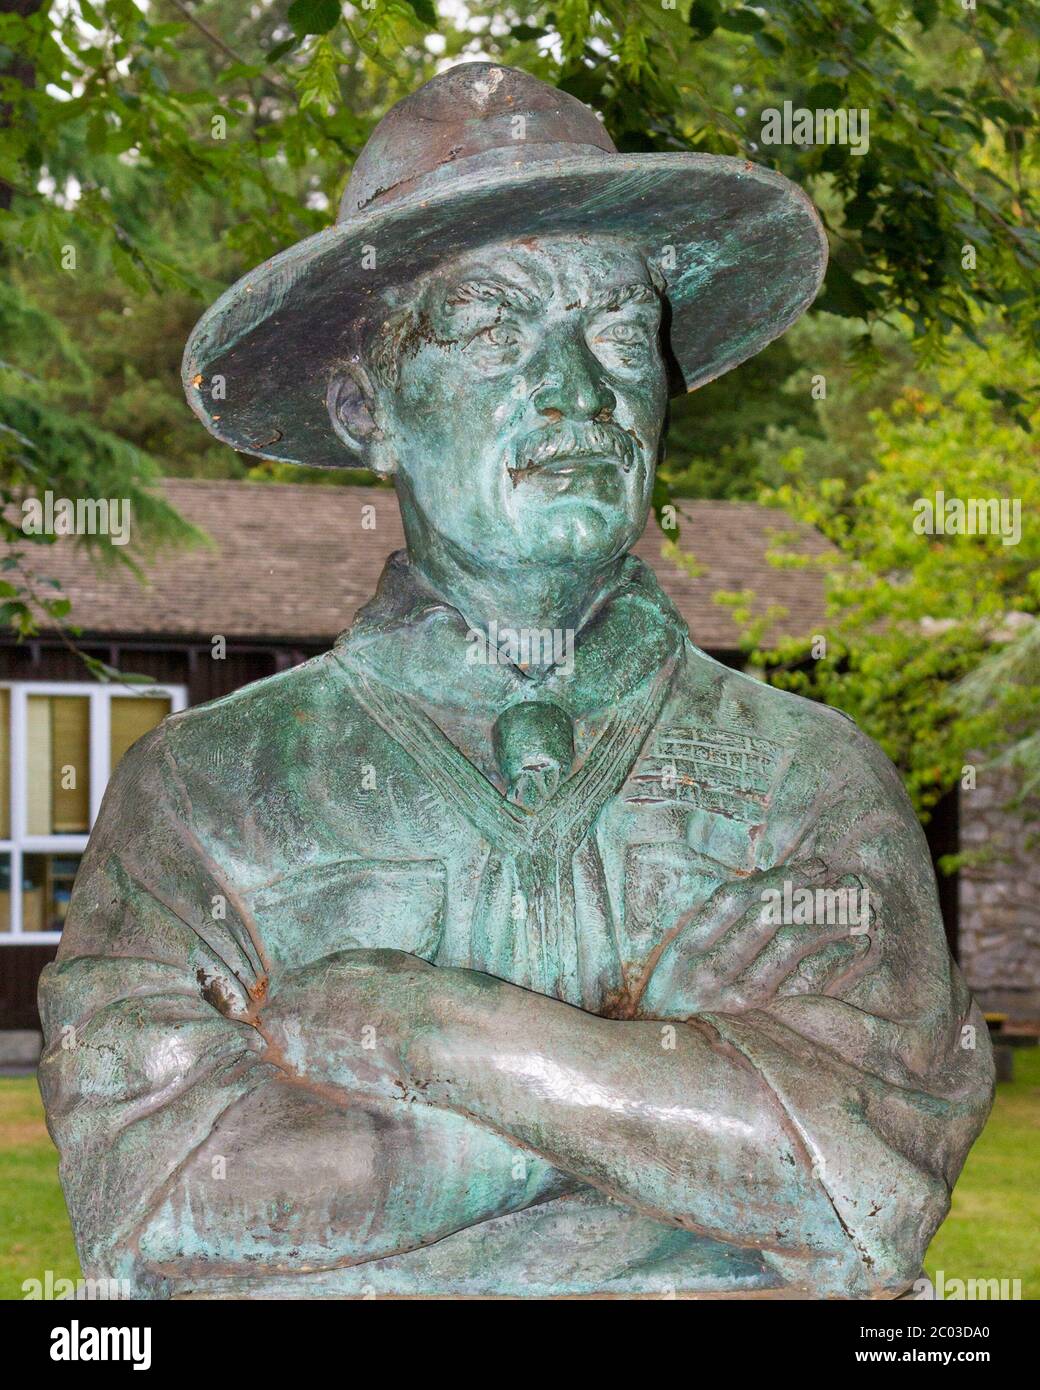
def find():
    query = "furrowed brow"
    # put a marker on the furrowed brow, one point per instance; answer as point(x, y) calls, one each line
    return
point(478, 291)
point(618, 296)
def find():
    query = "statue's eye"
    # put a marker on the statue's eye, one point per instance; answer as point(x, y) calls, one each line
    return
point(627, 334)
point(501, 335)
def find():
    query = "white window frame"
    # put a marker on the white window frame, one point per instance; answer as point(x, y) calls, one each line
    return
point(20, 842)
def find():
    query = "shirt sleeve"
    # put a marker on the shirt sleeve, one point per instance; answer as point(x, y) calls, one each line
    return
point(887, 1075)
point(146, 1010)
point(184, 1154)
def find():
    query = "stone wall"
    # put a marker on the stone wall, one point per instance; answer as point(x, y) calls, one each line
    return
point(1000, 902)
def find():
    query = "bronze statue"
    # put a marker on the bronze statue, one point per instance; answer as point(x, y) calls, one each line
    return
point(513, 947)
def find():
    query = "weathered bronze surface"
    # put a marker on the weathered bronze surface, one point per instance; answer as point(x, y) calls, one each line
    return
point(473, 957)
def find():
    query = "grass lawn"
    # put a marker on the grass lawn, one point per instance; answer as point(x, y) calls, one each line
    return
point(993, 1231)
point(34, 1226)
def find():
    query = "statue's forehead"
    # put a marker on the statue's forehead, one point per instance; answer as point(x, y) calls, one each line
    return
point(549, 266)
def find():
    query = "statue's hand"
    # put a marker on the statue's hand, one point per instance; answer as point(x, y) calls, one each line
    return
point(736, 952)
point(345, 1020)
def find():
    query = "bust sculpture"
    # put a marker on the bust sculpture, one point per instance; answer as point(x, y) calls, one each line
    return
point(461, 959)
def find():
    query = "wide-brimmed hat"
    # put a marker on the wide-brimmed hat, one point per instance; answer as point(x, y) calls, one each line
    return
point(480, 154)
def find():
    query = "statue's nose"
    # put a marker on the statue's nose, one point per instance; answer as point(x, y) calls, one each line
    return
point(570, 385)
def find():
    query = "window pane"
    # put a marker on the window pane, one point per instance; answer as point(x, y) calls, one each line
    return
point(5, 892)
point(132, 717)
point(38, 781)
point(5, 767)
point(46, 889)
point(59, 765)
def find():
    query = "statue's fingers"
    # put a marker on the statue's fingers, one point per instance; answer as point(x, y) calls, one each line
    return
point(742, 925)
point(742, 915)
point(736, 950)
point(784, 952)
point(695, 935)
point(729, 904)
point(816, 971)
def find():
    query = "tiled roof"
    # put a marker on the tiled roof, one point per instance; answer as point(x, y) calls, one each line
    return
point(294, 562)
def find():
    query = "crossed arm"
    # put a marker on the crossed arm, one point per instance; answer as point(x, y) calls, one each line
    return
point(404, 1102)
point(668, 1118)
point(375, 1103)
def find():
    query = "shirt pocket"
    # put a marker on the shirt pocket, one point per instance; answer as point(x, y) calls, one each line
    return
point(355, 904)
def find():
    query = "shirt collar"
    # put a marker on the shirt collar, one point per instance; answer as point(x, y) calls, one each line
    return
point(412, 639)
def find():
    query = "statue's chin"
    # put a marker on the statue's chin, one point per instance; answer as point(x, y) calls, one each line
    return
point(577, 533)
point(585, 519)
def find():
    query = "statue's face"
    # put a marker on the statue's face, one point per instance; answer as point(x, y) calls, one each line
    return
point(530, 399)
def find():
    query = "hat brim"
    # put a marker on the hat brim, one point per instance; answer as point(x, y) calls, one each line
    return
point(743, 249)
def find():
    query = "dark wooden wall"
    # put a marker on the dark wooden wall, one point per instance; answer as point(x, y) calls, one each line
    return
point(177, 663)
point(20, 968)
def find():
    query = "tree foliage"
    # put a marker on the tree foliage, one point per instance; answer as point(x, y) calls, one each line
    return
point(931, 638)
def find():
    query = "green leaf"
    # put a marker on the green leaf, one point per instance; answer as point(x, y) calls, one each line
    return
point(425, 12)
point(91, 15)
point(741, 21)
point(318, 83)
point(859, 212)
point(97, 134)
point(824, 95)
point(159, 33)
point(704, 17)
point(13, 613)
point(107, 674)
point(126, 268)
point(281, 49)
point(999, 110)
point(768, 44)
point(584, 83)
point(843, 295)
point(925, 12)
point(313, 16)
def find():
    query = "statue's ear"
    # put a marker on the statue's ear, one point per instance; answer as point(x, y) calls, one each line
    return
point(351, 404)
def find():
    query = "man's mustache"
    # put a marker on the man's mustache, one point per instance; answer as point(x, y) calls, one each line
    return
point(589, 439)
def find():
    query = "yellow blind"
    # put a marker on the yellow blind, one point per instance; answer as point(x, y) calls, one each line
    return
point(70, 754)
point(132, 717)
point(38, 769)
